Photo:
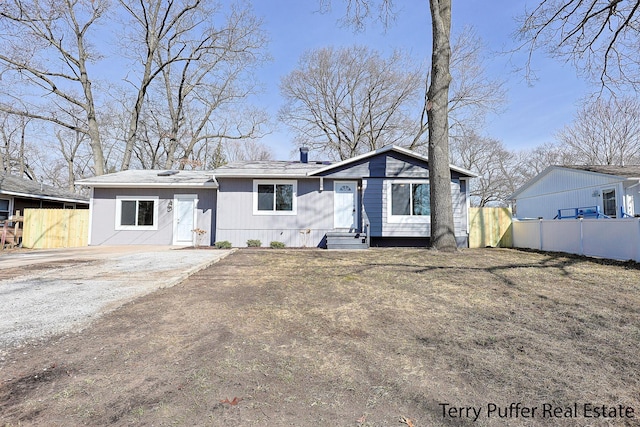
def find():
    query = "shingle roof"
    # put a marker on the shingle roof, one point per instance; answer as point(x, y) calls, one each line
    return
point(268, 168)
point(385, 149)
point(152, 178)
point(630, 171)
point(239, 169)
point(16, 186)
point(622, 172)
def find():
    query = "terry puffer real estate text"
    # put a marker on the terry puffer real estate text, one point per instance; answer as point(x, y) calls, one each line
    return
point(545, 410)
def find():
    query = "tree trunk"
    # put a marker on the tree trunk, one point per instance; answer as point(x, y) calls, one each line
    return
point(442, 225)
point(90, 108)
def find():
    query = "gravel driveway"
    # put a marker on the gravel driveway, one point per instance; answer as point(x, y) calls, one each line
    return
point(71, 292)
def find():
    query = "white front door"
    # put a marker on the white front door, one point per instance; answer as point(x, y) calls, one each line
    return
point(344, 204)
point(184, 219)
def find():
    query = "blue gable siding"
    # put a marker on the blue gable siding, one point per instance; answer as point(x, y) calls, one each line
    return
point(376, 211)
point(376, 174)
point(385, 165)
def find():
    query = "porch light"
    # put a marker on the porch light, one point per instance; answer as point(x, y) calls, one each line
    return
point(170, 206)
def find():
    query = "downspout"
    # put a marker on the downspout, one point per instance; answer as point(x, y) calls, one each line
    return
point(90, 217)
point(213, 233)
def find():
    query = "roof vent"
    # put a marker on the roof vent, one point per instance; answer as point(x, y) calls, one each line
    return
point(167, 173)
point(304, 154)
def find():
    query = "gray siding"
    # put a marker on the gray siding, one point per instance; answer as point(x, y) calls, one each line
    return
point(103, 230)
point(237, 223)
point(376, 212)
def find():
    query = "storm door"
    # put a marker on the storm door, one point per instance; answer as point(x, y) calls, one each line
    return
point(344, 205)
point(184, 219)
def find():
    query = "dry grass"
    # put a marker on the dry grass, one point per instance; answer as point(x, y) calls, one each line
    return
point(358, 338)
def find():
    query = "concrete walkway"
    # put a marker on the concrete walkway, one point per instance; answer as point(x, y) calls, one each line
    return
point(85, 283)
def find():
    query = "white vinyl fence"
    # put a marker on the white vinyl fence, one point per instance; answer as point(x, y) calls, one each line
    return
point(606, 238)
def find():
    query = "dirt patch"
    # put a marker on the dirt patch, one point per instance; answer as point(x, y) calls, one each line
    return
point(361, 338)
point(35, 269)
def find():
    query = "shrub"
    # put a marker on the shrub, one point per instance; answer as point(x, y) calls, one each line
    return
point(223, 244)
point(254, 243)
point(277, 245)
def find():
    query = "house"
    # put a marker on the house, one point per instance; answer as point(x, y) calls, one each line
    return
point(378, 198)
point(17, 194)
point(588, 191)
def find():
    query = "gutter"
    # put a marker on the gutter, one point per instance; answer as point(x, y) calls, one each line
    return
point(41, 197)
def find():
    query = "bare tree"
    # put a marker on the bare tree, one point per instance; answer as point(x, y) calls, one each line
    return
point(600, 37)
point(442, 225)
point(35, 32)
point(604, 132)
point(473, 94)
point(153, 22)
point(234, 151)
point(15, 149)
point(201, 68)
point(49, 52)
point(494, 164)
point(348, 101)
point(76, 163)
point(530, 162)
point(437, 108)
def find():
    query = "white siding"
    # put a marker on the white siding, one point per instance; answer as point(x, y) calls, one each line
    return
point(565, 189)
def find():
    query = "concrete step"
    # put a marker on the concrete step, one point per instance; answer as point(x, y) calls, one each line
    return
point(346, 240)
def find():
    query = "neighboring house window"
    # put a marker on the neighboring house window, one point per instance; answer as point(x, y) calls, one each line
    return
point(276, 197)
point(409, 201)
point(609, 203)
point(4, 209)
point(136, 213)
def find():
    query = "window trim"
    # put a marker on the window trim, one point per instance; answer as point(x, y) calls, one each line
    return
point(118, 216)
point(405, 219)
point(9, 210)
point(274, 182)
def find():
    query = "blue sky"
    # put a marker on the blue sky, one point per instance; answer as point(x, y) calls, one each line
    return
point(532, 114)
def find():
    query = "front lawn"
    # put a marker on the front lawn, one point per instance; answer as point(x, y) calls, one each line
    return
point(362, 338)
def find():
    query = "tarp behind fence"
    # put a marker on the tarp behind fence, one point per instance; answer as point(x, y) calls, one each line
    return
point(55, 228)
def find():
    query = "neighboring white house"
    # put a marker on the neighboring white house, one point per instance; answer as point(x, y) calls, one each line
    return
point(614, 191)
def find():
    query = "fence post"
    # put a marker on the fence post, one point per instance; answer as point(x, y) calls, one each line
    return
point(581, 238)
point(540, 230)
point(638, 241)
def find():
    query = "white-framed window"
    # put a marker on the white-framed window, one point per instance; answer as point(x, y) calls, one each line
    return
point(408, 201)
point(5, 209)
point(136, 213)
point(274, 197)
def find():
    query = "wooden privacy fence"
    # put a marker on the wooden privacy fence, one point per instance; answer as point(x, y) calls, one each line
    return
point(490, 227)
point(55, 228)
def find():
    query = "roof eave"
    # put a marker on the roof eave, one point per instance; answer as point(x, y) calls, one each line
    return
point(147, 185)
point(385, 149)
point(263, 176)
point(43, 197)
